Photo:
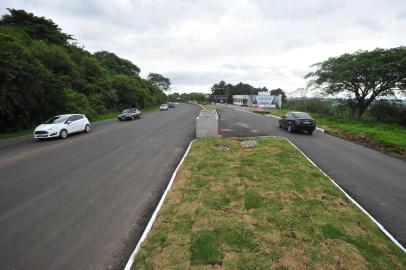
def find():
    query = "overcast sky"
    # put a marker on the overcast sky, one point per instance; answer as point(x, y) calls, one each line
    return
point(268, 43)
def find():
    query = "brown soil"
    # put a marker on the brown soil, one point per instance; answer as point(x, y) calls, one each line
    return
point(392, 150)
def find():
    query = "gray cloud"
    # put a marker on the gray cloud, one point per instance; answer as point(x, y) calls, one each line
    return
point(197, 43)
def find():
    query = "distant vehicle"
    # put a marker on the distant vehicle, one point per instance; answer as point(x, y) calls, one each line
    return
point(171, 104)
point(164, 107)
point(130, 114)
point(62, 125)
point(298, 121)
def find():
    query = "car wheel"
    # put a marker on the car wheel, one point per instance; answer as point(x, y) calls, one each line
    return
point(132, 117)
point(310, 132)
point(87, 128)
point(290, 129)
point(63, 134)
point(280, 125)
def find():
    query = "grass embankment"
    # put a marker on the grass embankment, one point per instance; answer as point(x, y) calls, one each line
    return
point(390, 137)
point(260, 208)
point(100, 117)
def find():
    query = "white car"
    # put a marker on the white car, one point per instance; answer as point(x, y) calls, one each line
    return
point(62, 125)
point(164, 107)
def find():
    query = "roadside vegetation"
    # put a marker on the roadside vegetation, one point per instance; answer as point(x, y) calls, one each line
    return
point(245, 208)
point(44, 72)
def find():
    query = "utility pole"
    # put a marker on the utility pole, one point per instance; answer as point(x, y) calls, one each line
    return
point(226, 95)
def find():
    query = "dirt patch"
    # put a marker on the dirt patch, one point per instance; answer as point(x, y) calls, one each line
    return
point(392, 150)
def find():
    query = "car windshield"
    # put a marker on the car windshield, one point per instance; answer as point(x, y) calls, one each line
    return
point(302, 115)
point(163, 105)
point(127, 111)
point(56, 119)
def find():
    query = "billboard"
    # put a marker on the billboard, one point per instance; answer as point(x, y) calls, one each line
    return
point(264, 102)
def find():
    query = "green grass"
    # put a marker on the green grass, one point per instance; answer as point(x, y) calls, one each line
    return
point(105, 116)
point(100, 117)
point(209, 108)
point(387, 135)
point(260, 208)
point(8, 135)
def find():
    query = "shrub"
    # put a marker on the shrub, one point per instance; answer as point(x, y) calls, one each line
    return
point(385, 111)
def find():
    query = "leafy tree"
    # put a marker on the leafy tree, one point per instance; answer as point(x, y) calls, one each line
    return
point(117, 64)
point(28, 91)
point(174, 97)
point(222, 89)
point(364, 75)
point(36, 27)
point(277, 92)
point(41, 74)
point(197, 96)
point(159, 81)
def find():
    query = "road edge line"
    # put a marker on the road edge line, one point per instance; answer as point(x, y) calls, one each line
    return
point(380, 226)
point(154, 215)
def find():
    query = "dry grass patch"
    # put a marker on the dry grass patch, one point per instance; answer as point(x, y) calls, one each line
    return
point(246, 208)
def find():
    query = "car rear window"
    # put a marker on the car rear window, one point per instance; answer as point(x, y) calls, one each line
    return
point(302, 115)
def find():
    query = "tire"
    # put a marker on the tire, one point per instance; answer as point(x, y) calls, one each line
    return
point(132, 118)
point(310, 132)
point(290, 128)
point(87, 128)
point(280, 126)
point(63, 134)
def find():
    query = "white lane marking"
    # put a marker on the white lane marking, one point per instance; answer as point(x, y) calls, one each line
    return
point(380, 226)
point(242, 124)
point(154, 215)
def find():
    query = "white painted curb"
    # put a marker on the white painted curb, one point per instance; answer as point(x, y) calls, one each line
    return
point(154, 215)
point(380, 226)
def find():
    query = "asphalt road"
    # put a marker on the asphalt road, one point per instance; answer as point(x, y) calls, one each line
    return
point(82, 203)
point(375, 180)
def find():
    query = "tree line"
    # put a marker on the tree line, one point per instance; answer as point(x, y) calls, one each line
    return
point(43, 72)
point(364, 81)
point(226, 89)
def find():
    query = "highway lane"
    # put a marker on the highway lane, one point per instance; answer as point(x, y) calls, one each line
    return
point(375, 180)
point(82, 203)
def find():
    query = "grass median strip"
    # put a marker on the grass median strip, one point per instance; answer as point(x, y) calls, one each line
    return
point(265, 207)
point(209, 108)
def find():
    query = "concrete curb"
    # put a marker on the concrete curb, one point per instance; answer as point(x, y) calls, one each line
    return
point(380, 226)
point(154, 215)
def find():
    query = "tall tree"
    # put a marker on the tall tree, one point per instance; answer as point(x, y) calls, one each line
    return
point(277, 92)
point(159, 81)
point(365, 75)
point(35, 27)
point(117, 64)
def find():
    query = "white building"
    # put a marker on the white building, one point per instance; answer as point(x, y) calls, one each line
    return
point(242, 100)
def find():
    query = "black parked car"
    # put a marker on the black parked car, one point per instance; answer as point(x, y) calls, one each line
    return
point(171, 104)
point(298, 121)
point(130, 114)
